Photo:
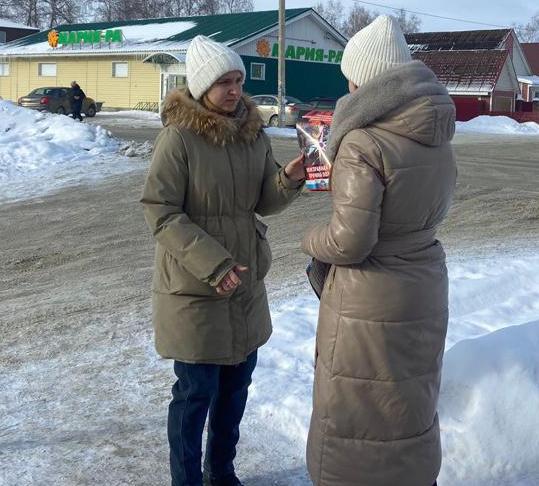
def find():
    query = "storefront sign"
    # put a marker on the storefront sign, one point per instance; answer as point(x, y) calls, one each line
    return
point(84, 37)
point(299, 53)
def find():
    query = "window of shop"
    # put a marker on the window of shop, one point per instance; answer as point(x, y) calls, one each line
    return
point(120, 69)
point(2, 37)
point(4, 69)
point(46, 69)
point(170, 82)
point(258, 71)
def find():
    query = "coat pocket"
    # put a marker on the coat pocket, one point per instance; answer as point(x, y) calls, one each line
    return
point(263, 251)
point(171, 277)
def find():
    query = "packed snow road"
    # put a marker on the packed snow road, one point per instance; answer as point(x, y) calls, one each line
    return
point(84, 396)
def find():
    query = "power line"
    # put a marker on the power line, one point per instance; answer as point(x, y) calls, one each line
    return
point(430, 15)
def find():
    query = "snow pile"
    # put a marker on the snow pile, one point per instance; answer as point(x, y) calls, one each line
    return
point(489, 409)
point(136, 149)
point(498, 125)
point(43, 151)
point(490, 391)
point(32, 140)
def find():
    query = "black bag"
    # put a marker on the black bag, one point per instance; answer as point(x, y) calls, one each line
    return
point(317, 273)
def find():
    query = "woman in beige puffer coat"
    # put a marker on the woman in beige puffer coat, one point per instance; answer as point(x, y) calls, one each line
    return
point(384, 307)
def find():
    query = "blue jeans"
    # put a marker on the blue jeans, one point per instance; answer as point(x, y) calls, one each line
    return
point(201, 388)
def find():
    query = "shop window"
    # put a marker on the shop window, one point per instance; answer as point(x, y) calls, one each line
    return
point(258, 71)
point(2, 37)
point(47, 69)
point(120, 69)
point(4, 69)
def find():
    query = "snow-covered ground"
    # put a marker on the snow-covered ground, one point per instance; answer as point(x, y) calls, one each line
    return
point(490, 391)
point(281, 132)
point(40, 152)
point(131, 118)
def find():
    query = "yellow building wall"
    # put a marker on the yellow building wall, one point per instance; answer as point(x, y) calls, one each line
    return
point(94, 74)
point(17, 81)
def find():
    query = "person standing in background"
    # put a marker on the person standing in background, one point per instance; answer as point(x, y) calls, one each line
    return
point(76, 97)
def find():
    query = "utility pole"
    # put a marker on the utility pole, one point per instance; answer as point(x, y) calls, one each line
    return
point(281, 87)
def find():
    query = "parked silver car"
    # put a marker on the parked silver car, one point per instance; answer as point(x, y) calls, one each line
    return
point(268, 108)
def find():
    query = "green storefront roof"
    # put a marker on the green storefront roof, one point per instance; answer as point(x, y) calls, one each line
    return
point(226, 28)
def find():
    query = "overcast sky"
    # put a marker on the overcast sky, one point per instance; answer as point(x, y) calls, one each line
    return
point(497, 12)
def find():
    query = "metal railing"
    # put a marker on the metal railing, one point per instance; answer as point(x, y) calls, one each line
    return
point(147, 106)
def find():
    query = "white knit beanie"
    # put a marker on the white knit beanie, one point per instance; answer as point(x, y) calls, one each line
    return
point(206, 61)
point(374, 49)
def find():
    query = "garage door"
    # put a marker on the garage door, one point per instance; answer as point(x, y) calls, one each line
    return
point(501, 103)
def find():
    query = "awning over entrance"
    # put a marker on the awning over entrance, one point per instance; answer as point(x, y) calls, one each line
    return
point(165, 58)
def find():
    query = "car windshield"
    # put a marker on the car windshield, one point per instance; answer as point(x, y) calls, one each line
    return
point(42, 91)
point(291, 99)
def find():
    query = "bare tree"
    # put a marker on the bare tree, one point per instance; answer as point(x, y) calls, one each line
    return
point(332, 11)
point(56, 12)
point(111, 10)
point(27, 12)
point(143, 9)
point(529, 32)
point(208, 7)
point(408, 24)
point(233, 6)
point(156, 8)
point(182, 8)
point(358, 18)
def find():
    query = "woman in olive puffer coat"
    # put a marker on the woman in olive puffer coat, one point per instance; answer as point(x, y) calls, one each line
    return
point(212, 173)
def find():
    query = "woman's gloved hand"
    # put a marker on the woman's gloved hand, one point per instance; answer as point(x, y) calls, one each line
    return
point(231, 281)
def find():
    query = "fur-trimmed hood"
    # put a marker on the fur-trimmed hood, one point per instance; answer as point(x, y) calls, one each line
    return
point(407, 100)
point(181, 110)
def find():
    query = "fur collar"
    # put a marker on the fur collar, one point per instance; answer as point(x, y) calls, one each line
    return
point(181, 110)
point(379, 97)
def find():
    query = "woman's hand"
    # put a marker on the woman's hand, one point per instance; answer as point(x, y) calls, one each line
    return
point(231, 281)
point(295, 170)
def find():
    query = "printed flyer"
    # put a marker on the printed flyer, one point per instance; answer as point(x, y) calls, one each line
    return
point(312, 137)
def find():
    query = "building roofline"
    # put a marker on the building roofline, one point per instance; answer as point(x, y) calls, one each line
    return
point(10, 24)
point(265, 30)
point(18, 47)
point(522, 53)
point(92, 53)
point(308, 12)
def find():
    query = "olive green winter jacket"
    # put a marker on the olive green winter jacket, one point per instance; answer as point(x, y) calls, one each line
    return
point(210, 176)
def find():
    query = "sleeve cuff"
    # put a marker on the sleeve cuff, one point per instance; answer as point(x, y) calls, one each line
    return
point(220, 272)
point(288, 183)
